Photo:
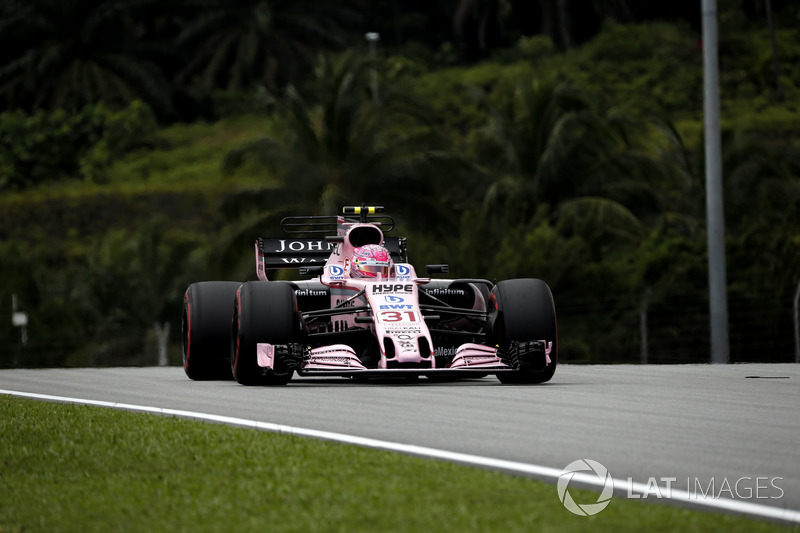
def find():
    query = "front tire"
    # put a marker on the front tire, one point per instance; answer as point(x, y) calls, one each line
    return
point(525, 313)
point(264, 312)
point(206, 328)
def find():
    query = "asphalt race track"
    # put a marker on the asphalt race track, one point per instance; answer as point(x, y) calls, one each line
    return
point(731, 431)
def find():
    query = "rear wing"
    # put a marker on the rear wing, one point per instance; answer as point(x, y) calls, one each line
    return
point(294, 253)
point(303, 248)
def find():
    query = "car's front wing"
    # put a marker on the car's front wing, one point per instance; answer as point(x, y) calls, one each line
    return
point(341, 360)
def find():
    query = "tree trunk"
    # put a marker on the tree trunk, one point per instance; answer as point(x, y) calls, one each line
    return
point(797, 325)
point(775, 64)
point(162, 335)
point(643, 325)
point(564, 23)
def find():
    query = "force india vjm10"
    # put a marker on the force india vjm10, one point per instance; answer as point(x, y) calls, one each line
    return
point(366, 313)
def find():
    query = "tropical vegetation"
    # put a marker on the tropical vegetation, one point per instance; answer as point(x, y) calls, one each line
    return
point(145, 145)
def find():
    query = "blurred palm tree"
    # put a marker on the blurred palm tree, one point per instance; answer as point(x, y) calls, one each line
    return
point(339, 147)
point(135, 280)
point(39, 279)
point(236, 43)
point(67, 54)
point(553, 148)
point(563, 170)
point(762, 198)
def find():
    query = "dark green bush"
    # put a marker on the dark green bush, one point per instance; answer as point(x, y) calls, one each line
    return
point(49, 147)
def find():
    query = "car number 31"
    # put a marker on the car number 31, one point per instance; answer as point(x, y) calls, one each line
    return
point(397, 316)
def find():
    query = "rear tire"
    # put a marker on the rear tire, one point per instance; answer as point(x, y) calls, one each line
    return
point(525, 312)
point(263, 312)
point(206, 328)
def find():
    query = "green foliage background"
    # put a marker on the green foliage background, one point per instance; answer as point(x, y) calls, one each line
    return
point(581, 165)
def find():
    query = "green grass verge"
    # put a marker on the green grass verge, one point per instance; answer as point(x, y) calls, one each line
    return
point(80, 468)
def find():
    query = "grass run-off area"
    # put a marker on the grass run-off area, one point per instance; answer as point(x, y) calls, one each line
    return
point(80, 468)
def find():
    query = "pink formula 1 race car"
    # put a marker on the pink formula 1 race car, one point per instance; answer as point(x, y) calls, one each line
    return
point(364, 313)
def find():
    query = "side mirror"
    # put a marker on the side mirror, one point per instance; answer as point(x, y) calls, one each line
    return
point(437, 269)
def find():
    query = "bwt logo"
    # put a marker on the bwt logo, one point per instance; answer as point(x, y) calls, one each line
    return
point(402, 271)
point(336, 271)
point(588, 471)
point(394, 299)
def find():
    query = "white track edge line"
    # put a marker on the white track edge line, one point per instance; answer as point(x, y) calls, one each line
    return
point(737, 506)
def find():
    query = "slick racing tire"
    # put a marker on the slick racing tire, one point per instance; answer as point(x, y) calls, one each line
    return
point(525, 312)
point(263, 312)
point(206, 329)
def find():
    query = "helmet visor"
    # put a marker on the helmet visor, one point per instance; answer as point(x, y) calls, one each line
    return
point(383, 270)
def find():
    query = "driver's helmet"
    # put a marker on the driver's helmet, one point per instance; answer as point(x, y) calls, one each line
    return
point(370, 260)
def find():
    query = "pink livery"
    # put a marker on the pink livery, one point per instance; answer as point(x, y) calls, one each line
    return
point(365, 311)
